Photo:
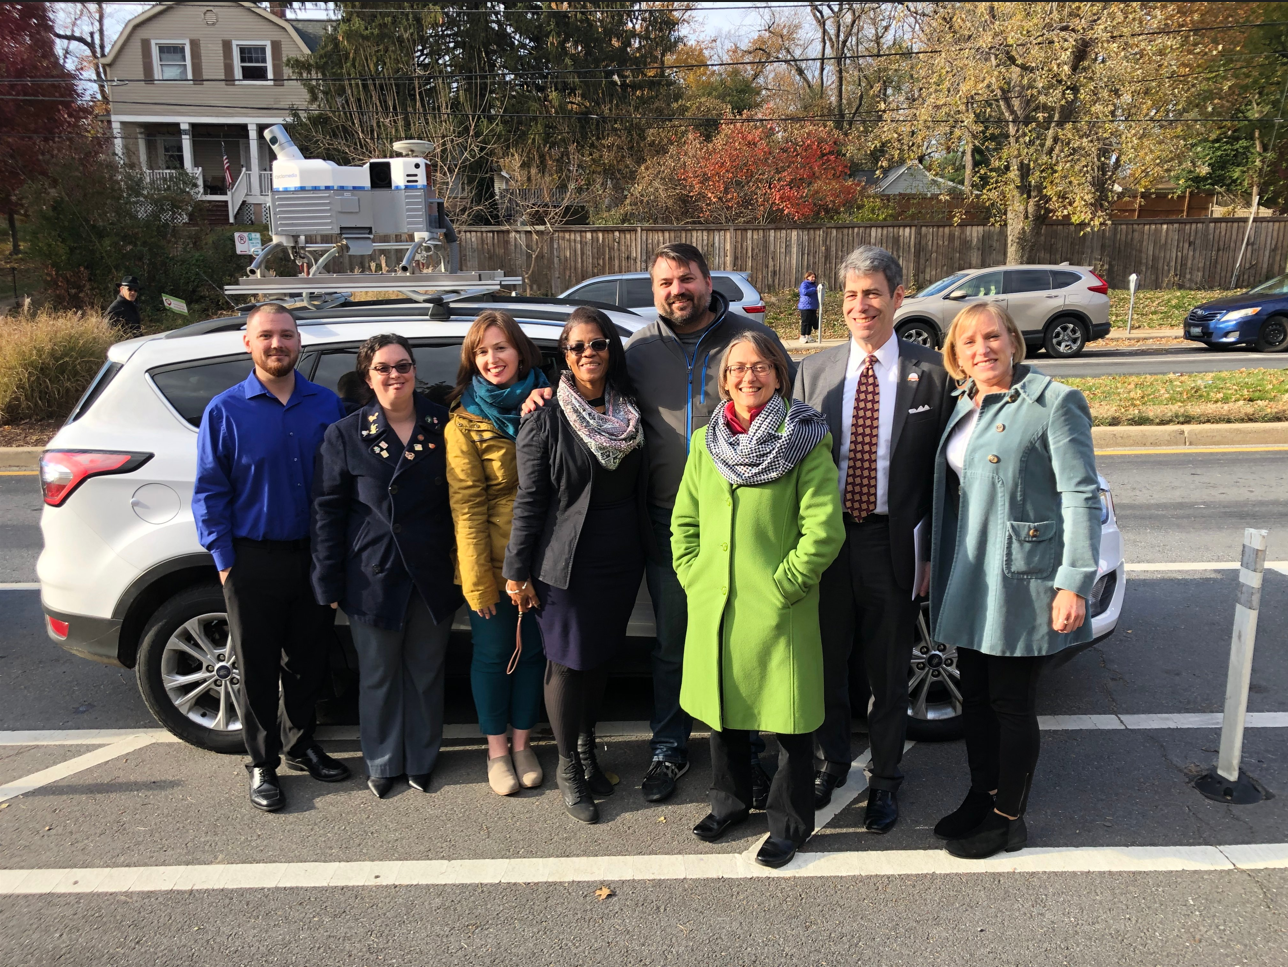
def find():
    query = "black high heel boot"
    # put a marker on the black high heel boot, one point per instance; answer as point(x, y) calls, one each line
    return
point(571, 778)
point(973, 811)
point(600, 783)
point(994, 834)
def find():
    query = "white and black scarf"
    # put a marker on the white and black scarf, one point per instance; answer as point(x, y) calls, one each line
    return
point(609, 436)
point(763, 454)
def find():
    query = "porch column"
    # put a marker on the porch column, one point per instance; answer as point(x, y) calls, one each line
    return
point(143, 148)
point(185, 132)
point(253, 130)
point(118, 136)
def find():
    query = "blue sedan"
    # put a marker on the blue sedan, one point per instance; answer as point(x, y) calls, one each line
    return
point(1258, 317)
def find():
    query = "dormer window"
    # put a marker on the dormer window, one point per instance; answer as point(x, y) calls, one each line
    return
point(172, 61)
point(252, 62)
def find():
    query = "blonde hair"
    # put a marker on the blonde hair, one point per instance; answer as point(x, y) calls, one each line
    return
point(769, 350)
point(964, 319)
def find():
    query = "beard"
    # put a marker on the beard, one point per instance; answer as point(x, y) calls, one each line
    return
point(684, 312)
point(278, 364)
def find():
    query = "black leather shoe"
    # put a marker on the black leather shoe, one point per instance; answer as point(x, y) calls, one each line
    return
point(994, 834)
point(659, 781)
point(759, 786)
point(318, 764)
point(380, 785)
point(711, 828)
point(265, 790)
point(973, 811)
point(776, 852)
point(824, 783)
point(882, 812)
point(419, 781)
point(598, 781)
point(578, 801)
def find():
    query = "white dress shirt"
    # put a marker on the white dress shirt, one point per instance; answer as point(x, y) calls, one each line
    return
point(886, 369)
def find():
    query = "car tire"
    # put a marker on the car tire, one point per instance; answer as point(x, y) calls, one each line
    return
point(1065, 337)
point(1272, 337)
point(187, 673)
point(934, 701)
point(921, 332)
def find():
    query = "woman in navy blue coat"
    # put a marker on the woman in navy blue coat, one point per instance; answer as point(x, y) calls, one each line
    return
point(382, 545)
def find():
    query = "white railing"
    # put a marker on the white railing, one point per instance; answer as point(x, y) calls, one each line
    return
point(265, 184)
point(238, 195)
point(170, 178)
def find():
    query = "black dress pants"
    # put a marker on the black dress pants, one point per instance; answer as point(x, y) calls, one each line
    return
point(999, 700)
point(791, 792)
point(280, 635)
point(864, 615)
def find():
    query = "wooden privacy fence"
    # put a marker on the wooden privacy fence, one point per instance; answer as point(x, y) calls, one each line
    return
point(1188, 253)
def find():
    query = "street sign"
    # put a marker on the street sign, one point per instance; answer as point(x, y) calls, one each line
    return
point(173, 304)
point(248, 243)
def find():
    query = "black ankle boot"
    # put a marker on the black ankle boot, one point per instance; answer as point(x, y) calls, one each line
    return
point(994, 834)
point(599, 782)
point(571, 778)
point(973, 811)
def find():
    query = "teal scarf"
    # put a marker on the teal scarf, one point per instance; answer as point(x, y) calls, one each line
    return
point(500, 405)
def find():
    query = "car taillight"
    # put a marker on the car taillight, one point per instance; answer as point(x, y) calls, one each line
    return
point(1102, 288)
point(57, 628)
point(753, 308)
point(62, 471)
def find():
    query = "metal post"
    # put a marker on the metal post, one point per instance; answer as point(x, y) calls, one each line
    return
point(1131, 306)
point(822, 294)
point(1226, 782)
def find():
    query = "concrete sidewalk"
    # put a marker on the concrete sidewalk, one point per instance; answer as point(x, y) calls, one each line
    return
point(796, 348)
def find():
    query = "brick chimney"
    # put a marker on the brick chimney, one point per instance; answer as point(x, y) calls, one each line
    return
point(277, 10)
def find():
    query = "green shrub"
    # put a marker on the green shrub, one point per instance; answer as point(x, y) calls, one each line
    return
point(47, 358)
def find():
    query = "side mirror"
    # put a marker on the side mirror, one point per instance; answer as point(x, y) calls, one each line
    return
point(957, 295)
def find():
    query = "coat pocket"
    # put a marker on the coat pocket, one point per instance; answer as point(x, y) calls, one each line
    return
point(1030, 551)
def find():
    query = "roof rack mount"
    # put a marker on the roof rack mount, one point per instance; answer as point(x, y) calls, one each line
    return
point(418, 286)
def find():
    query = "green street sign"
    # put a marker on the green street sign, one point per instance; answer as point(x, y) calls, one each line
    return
point(173, 304)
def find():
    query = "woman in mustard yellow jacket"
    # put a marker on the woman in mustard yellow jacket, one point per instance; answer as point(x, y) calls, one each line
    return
point(500, 366)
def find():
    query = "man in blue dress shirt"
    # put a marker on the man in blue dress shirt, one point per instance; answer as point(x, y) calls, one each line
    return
point(251, 502)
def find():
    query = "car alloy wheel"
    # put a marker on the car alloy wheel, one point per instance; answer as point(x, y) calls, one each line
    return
point(199, 672)
point(934, 688)
point(919, 333)
point(1066, 337)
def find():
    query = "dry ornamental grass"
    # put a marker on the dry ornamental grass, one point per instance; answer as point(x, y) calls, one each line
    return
point(47, 358)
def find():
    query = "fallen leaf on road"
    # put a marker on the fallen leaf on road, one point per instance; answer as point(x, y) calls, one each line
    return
point(603, 893)
point(661, 819)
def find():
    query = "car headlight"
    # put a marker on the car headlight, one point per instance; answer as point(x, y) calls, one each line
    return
point(1234, 314)
point(1106, 506)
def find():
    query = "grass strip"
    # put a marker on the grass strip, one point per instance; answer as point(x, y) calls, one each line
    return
point(1169, 399)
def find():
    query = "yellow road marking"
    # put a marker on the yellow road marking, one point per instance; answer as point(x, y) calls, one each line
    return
point(18, 473)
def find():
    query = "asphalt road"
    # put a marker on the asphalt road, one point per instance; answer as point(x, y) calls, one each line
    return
point(1120, 791)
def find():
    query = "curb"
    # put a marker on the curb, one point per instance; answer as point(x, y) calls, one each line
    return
point(20, 458)
point(1190, 435)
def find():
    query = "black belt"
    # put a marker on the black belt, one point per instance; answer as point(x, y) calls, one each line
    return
point(298, 545)
point(869, 519)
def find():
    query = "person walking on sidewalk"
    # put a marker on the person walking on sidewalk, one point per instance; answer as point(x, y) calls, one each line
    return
point(251, 503)
point(808, 306)
point(500, 366)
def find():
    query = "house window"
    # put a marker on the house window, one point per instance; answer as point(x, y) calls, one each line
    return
point(252, 62)
point(172, 61)
point(172, 154)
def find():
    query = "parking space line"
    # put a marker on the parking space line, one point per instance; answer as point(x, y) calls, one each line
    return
point(73, 766)
point(21, 586)
point(1200, 566)
point(610, 869)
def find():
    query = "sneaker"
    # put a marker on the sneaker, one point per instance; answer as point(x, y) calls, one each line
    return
point(659, 781)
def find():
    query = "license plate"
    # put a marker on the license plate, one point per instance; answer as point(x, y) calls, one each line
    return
point(1196, 330)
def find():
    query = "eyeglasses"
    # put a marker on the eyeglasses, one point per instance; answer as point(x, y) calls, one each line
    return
point(738, 370)
point(595, 345)
point(402, 368)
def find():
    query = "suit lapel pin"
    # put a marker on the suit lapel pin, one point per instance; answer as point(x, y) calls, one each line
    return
point(914, 378)
point(409, 455)
point(417, 447)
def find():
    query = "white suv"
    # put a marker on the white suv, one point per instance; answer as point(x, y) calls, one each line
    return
point(124, 580)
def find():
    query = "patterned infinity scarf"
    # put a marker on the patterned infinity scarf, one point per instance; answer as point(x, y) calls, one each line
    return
point(610, 435)
point(763, 454)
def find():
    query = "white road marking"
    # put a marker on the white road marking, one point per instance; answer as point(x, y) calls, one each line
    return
point(32, 586)
point(73, 766)
point(1280, 566)
point(610, 869)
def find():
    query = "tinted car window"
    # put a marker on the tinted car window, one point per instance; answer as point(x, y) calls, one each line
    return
point(189, 387)
point(435, 372)
point(727, 287)
point(1061, 280)
point(1028, 280)
point(597, 292)
point(637, 293)
point(990, 283)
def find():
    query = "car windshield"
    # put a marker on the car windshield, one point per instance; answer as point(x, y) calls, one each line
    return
point(1276, 286)
point(943, 284)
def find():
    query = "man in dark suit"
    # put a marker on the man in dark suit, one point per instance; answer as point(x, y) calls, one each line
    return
point(887, 402)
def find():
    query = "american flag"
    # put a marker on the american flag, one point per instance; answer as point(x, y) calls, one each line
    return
point(228, 169)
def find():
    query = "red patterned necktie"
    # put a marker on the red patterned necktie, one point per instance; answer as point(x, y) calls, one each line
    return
point(861, 470)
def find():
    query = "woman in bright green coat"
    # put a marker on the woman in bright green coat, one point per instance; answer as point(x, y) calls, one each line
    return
point(756, 522)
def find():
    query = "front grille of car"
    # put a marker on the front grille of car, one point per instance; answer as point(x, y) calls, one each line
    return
point(1202, 315)
point(1102, 595)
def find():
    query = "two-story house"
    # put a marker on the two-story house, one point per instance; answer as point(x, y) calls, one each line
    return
point(193, 83)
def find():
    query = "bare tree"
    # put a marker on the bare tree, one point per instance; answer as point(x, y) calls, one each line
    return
point(83, 27)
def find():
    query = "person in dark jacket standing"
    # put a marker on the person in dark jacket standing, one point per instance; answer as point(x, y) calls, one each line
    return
point(250, 501)
point(382, 550)
point(808, 307)
point(578, 539)
point(123, 314)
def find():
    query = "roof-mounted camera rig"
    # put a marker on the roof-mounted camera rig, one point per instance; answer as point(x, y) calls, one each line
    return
point(349, 206)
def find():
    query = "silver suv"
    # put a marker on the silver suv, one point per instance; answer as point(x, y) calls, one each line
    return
point(1059, 308)
point(634, 291)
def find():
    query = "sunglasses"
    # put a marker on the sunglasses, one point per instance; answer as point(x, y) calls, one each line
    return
point(595, 345)
point(401, 368)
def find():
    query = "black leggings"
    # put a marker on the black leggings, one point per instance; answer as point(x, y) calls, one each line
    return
point(1001, 725)
point(573, 699)
point(809, 321)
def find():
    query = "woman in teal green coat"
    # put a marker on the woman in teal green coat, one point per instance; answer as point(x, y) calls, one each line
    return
point(756, 522)
point(1014, 554)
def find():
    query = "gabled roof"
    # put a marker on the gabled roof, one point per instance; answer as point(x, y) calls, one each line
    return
point(888, 182)
point(123, 38)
